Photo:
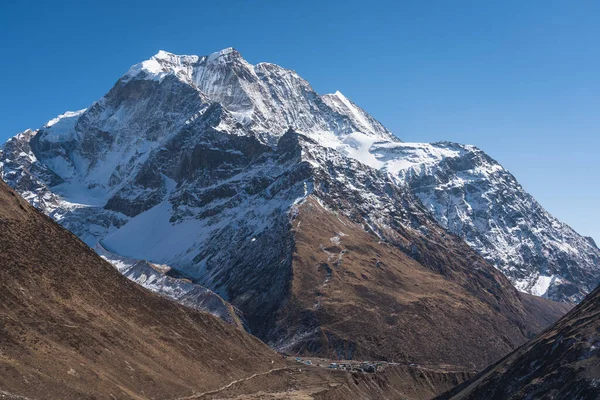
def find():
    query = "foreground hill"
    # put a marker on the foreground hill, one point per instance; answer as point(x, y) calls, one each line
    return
point(561, 363)
point(72, 327)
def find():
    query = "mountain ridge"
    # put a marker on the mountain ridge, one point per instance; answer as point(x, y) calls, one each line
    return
point(460, 185)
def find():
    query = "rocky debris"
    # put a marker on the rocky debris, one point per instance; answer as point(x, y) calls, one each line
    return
point(7, 396)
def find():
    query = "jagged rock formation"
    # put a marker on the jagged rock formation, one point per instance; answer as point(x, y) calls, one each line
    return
point(474, 197)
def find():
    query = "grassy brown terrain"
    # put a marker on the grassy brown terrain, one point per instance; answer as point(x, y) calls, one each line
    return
point(398, 382)
point(561, 363)
point(303, 382)
point(71, 327)
point(364, 298)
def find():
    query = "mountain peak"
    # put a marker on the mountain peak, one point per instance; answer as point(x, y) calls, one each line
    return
point(227, 53)
point(158, 66)
point(162, 54)
point(166, 63)
point(339, 94)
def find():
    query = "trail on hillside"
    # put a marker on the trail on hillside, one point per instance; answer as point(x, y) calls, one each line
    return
point(230, 384)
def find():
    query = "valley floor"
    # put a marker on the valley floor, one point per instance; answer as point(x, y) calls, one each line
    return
point(319, 378)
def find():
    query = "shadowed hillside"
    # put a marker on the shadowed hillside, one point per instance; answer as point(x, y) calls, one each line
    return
point(561, 363)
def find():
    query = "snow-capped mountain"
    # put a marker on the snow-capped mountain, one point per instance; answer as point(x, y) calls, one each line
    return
point(181, 156)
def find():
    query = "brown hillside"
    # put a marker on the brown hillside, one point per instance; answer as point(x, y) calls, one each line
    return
point(362, 298)
point(71, 327)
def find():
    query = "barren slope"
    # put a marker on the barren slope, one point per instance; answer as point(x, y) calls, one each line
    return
point(355, 296)
point(72, 327)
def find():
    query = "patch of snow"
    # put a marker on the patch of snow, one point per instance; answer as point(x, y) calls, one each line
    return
point(353, 109)
point(537, 286)
point(76, 194)
point(358, 145)
point(66, 115)
point(62, 127)
point(144, 236)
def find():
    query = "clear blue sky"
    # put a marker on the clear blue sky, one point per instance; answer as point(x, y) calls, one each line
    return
point(520, 79)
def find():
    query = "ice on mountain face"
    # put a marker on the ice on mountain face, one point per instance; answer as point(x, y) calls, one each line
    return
point(152, 68)
point(356, 113)
point(161, 65)
point(69, 115)
point(79, 195)
point(154, 277)
point(143, 237)
point(537, 286)
point(340, 103)
point(358, 145)
point(62, 127)
point(218, 55)
point(400, 158)
point(188, 145)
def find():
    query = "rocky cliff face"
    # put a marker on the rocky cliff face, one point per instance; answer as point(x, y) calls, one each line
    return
point(474, 197)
